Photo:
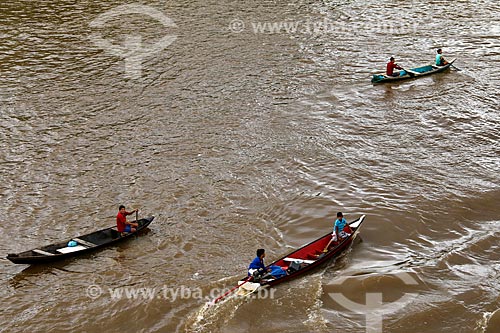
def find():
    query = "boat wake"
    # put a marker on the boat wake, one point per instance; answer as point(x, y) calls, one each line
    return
point(490, 322)
point(316, 322)
point(208, 317)
point(214, 317)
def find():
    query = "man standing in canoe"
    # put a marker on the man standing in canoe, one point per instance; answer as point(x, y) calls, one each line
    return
point(440, 61)
point(341, 230)
point(121, 220)
point(391, 65)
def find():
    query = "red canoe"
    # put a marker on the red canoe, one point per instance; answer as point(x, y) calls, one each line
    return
point(299, 261)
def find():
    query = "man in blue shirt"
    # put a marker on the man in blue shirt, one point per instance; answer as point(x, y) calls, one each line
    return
point(258, 262)
point(440, 61)
point(258, 269)
point(341, 230)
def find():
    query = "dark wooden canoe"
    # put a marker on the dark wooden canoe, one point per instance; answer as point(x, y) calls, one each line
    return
point(413, 73)
point(306, 258)
point(85, 244)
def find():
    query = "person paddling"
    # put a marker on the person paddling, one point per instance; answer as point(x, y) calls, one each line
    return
point(258, 269)
point(122, 225)
point(440, 60)
point(258, 262)
point(391, 65)
point(341, 230)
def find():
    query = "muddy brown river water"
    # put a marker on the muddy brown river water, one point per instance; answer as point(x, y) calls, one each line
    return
point(245, 124)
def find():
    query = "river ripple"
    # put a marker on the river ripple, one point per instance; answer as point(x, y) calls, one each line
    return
point(236, 139)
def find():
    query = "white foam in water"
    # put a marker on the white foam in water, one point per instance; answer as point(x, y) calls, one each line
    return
point(211, 313)
point(315, 319)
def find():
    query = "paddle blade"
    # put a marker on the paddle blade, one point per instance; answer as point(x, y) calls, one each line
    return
point(248, 288)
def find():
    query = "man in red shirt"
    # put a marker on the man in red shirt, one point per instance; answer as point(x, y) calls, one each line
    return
point(391, 65)
point(121, 220)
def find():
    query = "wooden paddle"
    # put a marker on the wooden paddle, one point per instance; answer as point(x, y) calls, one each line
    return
point(412, 74)
point(248, 279)
point(458, 69)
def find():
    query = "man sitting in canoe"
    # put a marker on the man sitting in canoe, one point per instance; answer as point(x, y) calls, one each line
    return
point(391, 65)
point(121, 221)
point(258, 268)
point(341, 230)
point(257, 265)
point(440, 61)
